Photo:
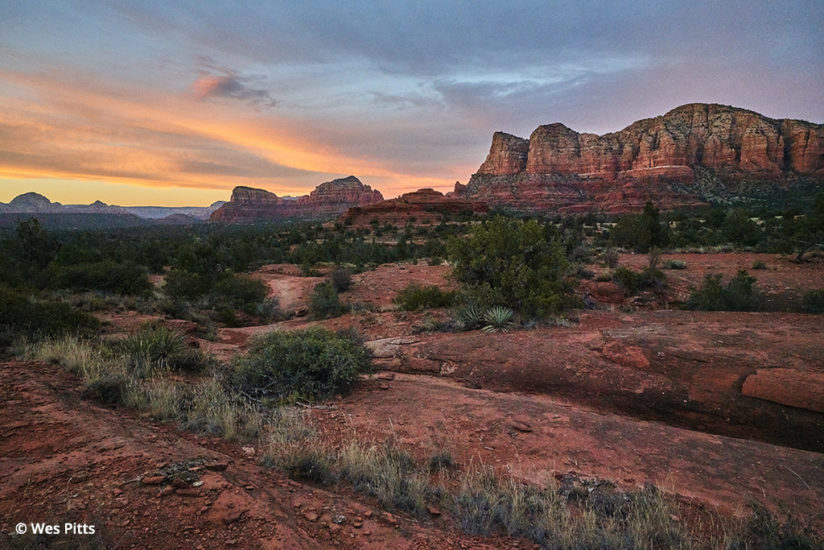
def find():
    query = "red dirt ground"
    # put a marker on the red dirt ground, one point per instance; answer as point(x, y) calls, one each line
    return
point(63, 459)
point(719, 408)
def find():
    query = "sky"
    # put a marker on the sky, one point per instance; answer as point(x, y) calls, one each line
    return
point(159, 102)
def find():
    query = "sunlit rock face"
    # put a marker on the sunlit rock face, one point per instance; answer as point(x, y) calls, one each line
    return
point(327, 201)
point(694, 154)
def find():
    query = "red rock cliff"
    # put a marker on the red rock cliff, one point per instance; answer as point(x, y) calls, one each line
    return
point(692, 155)
point(327, 201)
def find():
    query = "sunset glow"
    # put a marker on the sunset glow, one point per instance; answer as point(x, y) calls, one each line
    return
point(177, 105)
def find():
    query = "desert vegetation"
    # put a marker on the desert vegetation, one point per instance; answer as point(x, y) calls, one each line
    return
point(65, 299)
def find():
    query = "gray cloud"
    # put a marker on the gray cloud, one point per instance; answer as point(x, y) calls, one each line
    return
point(232, 86)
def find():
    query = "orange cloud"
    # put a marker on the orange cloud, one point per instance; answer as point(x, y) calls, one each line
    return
point(75, 128)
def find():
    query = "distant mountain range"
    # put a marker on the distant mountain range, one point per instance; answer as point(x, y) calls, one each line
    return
point(35, 203)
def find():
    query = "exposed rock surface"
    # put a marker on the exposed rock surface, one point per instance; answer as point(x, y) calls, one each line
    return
point(804, 390)
point(423, 206)
point(326, 201)
point(694, 154)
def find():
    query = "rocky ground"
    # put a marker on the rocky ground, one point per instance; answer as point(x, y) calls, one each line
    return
point(718, 409)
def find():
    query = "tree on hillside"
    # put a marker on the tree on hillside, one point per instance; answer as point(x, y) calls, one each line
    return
point(641, 232)
point(809, 232)
point(514, 263)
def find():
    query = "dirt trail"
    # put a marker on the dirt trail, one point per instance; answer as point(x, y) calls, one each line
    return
point(64, 459)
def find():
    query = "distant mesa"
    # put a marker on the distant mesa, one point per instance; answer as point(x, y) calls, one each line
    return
point(327, 201)
point(694, 155)
point(424, 206)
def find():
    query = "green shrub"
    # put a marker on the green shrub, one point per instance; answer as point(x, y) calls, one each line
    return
point(641, 232)
point(123, 278)
point(240, 292)
point(498, 318)
point(610, 258)
point(309, 364)
point(324, 302)
point(514, 263)
point(739, 294)
point(675, 264)
point(185, 285)
point(813, 301)
point(629, 280)
point(634, 281)
point(155, 346)
point(603, 277)
point(341, 279)
point(21, 315)
point(470, 317)
point(415, 297)
point(759, 264)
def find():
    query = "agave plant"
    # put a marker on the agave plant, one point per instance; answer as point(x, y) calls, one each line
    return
point(498, 318)
point(470, 317)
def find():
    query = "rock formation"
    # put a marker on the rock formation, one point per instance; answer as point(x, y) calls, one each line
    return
point(35, 203)
point(328, 200)
point(694, 154)
point(424, 206)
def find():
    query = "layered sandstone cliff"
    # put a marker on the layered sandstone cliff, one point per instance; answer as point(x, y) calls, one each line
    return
point(692, 155)
point(424, 206)
point(327, 201)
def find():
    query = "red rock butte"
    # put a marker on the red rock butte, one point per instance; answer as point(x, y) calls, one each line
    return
point(694, 155)
point(327, 201)
point(424, 206)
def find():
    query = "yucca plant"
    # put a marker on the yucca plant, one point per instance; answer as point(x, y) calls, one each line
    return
point(470, 317)
point(498, 318)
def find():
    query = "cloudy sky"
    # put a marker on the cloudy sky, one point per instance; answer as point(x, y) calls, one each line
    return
point(176, 102)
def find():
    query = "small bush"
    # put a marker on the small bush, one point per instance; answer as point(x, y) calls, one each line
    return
point(740, 294)
point(629, 280)
point(155, 346)
point(675, 264)
point(239, 292)
point(610, 258)
point(441, 460)
point(182, 285)
point(470, 317)
point(325, 303)
point(585, 273)
point(310, 364)
point(20, 315)
point(415, 297)
point(119, 278)
point(813, 301)
point(759, 264)
point(635, 281)
point(603, 277)
point(341, 279)
point(498, 318)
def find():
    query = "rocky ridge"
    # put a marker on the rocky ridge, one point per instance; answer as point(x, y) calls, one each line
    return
point(326, 201)
point(35, 203)
point(693, 155)
point(424, 206)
